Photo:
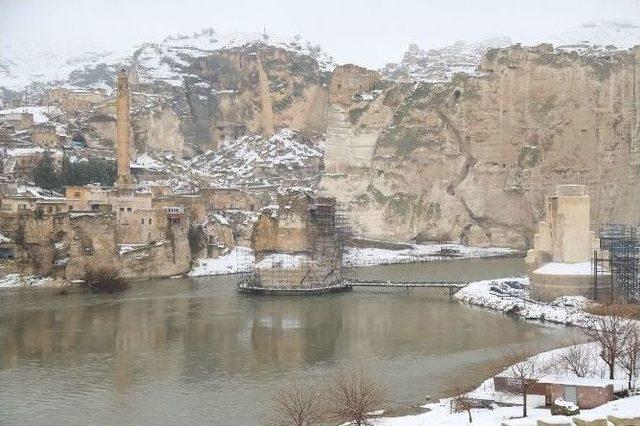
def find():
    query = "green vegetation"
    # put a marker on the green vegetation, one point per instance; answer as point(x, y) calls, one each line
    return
point(356, 113)
point(94, 170)
point(529, 157)
point(377, 194)
point(400, 204)
point(44, 175)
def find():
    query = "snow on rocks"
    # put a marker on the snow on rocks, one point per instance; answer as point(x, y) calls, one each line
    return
point(442, 63)
point(251, 159)
point(145, 161)
point(170, 59)
point(511, 296)
point(23, 281)
point(355, 256)
point(230, 263)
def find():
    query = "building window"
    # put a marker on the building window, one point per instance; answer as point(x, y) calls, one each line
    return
point(121, 209)
point(70, 208)
point(128, 209)
point(143, 220)
point(76, 194)
point(149, 221)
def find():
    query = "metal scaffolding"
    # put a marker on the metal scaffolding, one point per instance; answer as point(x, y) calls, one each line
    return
point(622, 245)
point(319, 267)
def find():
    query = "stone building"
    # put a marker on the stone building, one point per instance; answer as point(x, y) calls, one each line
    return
point(586, 393)
point(17, 120)
point(561, 258)
point(22, 198)
point(138, 220)
point(46, 134)
point(104, 127)
point(76, 100)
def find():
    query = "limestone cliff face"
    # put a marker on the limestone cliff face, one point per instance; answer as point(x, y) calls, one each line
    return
point(472, 160)
point(468, 160)
point(253, 90)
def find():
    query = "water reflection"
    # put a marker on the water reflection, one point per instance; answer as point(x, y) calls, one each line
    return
point(194, 351)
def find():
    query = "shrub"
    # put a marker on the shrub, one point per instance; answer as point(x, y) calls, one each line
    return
point(104, 279)
point(353, 396)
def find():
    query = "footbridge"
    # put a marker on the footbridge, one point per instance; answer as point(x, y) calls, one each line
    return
point(451, 286)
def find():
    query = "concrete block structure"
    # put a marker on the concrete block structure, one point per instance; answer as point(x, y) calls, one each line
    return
point(561, 259)
point(586, 393)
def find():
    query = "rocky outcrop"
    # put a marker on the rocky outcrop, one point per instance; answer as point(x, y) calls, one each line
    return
point(471, 160)
point(66, 246)
point(255, 89)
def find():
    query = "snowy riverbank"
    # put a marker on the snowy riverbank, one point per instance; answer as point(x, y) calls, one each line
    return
point(240, 257)
point(369, 256)
point(511, 296)
point(440, 411)
point(230, 263)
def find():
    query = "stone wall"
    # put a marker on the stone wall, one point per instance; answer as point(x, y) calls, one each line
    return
point(66, 246)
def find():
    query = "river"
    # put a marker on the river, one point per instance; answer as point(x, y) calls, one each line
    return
point(192, 351)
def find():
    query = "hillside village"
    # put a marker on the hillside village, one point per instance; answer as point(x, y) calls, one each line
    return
point(221, 124)
point(502, 175)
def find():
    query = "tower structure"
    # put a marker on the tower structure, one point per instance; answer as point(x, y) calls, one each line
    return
point(122, 131)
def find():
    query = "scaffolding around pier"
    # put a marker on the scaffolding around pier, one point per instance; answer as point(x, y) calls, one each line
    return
point(319, 267)
point(620, 249)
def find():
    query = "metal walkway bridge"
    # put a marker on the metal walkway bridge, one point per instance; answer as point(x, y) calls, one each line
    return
point(452, 286)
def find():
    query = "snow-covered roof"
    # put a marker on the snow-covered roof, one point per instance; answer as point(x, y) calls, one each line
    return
point(581, 381)
point(39, 112)
point(28, 191)
point(559, 268)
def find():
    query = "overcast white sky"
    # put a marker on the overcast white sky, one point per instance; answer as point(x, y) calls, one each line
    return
point(367, 32)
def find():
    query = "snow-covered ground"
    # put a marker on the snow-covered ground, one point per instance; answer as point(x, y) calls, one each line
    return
point(19, 281)
point(440, 411)
point(240, 256)
point(511, 296)
point(230, 263)
point(419, 253)
point(24, 61)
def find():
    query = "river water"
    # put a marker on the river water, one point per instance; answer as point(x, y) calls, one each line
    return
point(192, 351)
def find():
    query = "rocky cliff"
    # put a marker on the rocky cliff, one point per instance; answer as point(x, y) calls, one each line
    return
point(472, 159)
point(420, 152)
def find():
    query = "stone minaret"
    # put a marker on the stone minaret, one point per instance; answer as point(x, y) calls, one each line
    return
point(122, 132)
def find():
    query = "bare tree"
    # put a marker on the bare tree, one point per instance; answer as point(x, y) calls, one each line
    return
point(353, 395)
point(462, 402)
point(629, 359)
point(297, 405)
point(610, 329)
point(576, 358)
point(524, 371)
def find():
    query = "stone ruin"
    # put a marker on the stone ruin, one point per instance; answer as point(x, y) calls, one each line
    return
point(298, 244)
point(561, 260)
